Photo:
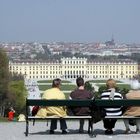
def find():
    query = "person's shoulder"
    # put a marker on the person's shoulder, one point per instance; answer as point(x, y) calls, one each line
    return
point(60, 91)
point(105, 91)
point(74, 91)
point(47, 90)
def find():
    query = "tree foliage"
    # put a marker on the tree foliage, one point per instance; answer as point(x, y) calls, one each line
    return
point(12, 89)
point(17, 95)
point(88, 86)
point(15, 76)
point(4, 75)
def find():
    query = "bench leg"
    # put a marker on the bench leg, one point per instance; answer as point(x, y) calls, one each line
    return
point(27, 128)
point(90, 128)
point(33, 122)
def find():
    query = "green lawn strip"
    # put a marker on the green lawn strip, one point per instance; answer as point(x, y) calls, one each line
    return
point(3, 119)
point(101, 81)
point(50, 81)
point(63, 87)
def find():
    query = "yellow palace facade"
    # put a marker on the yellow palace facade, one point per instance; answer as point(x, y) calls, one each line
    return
point(71, 68)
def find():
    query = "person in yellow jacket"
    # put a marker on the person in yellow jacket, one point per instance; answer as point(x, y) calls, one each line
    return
point(54, 93)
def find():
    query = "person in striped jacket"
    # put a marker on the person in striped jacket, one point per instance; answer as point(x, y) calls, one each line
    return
point(111, 94)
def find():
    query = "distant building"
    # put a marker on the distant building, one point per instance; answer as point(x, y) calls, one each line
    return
point(111, 42)
point(71, 68)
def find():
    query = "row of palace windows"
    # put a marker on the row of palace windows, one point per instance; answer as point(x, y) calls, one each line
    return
point(44, 76)
point(88, 67)
point(111, 72)
point(79, 72)
point(111, 67)
point(73, 67)
point(74, 62)
point(46, 72)
point(97, 76)
point(74, 72)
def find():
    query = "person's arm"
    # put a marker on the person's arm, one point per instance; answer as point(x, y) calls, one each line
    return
point(70, 96)
point(13, 110)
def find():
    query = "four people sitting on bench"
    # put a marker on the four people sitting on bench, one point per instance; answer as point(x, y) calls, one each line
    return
point(111, 94)
point(81, 93)
point(133, 110)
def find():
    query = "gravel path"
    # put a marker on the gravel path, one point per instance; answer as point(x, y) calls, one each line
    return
point(16, 131)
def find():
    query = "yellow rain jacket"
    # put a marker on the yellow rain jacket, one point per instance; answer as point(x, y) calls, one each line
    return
point(53, 93)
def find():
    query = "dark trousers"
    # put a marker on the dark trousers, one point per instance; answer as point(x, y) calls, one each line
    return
point(109, 123)
point(63, 124)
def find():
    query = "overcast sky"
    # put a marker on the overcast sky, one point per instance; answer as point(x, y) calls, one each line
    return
point(70, 20)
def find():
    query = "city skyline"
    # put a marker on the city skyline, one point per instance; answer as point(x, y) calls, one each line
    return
point(69, 21)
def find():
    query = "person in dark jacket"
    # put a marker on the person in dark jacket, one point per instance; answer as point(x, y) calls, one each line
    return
point(80, 93)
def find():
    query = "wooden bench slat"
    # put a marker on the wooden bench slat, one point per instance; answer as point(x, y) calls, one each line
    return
point(67, 117)
point(121, 117)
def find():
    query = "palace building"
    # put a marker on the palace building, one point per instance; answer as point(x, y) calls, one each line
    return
point(71, 68)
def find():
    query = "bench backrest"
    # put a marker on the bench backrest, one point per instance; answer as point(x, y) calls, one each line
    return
point(39, 102)
point(97, 102)
point(124, 102)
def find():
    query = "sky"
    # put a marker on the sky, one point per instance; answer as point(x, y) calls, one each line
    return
point(70, 20)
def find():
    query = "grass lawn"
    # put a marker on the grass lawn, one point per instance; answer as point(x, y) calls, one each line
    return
point(102, 81)
point(50, 81)
point(3, 119)
point(67, 95)
point(63, 87)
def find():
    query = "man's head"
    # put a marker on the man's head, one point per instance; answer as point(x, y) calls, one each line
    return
point(80, 81)
point(56, 83)
point(111, 83)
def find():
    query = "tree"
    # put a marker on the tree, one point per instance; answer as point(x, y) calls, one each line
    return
point(89, 87)
point(17, 95)
point(4, 75)
point(4, 79)
point(15, 76)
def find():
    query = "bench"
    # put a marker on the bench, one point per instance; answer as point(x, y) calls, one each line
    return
point(79, 103)
point(68, 103)
point(124, 103)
